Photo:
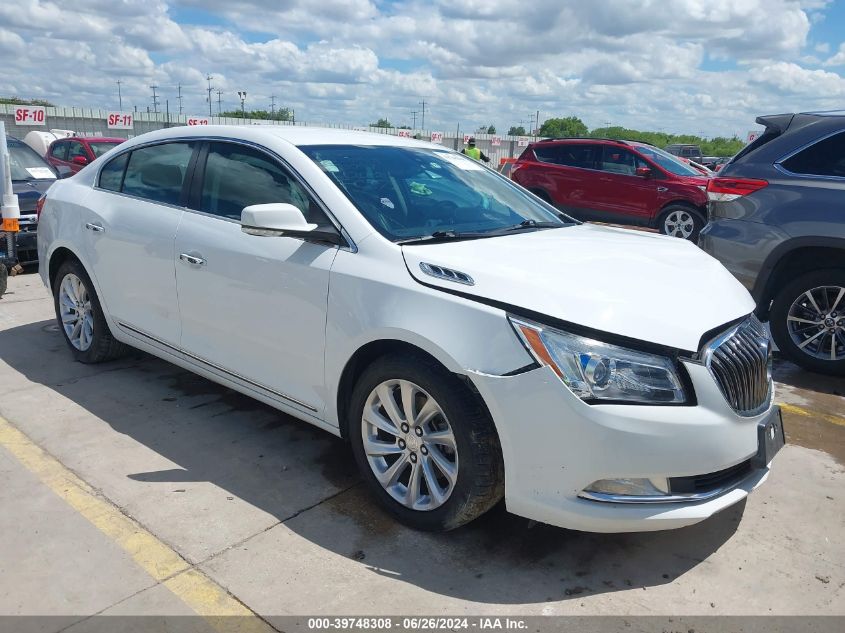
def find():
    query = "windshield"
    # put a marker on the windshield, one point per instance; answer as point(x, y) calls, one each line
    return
point(27, 165)
point(101, 147)
point(409, 192)
point(667, 161)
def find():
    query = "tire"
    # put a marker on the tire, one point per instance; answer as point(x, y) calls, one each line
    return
point(792, 302)
point(682, 221)
point(478, 473)
point(4, 276)
point(93, 341)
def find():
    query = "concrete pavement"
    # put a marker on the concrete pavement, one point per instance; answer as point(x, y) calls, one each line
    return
point(269, 511)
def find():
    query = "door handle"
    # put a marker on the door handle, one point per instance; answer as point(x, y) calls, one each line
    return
point(662, 189)
point(192, 259)
point(94, 227)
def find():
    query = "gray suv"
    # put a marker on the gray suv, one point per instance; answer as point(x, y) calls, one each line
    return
point(777, 222)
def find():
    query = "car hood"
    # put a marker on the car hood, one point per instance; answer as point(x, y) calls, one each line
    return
point(640, 285)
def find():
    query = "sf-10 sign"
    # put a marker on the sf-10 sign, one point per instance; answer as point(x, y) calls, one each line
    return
point(31, 115)
point(120, 121)
point(196, 120)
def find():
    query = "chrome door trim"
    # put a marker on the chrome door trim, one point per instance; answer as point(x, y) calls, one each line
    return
point(218, 368)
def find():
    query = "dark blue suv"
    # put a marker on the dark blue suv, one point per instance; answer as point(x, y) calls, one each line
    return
point(777, 222)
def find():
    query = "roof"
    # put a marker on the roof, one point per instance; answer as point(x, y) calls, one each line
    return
point(95, 139)
point(295, 135)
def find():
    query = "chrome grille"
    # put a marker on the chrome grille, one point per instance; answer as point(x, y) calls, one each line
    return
point(740, 361)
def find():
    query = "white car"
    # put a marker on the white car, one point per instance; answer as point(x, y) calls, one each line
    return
point(471, 342)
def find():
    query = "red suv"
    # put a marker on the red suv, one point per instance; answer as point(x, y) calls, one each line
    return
point(616, 181)
point(77, 151)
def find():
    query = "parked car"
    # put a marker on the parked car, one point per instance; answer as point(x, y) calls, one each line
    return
point(623, 182)
point(467, 340)
point(31, 177)
point(777, 221)
point(692, 152)
point(78, 151)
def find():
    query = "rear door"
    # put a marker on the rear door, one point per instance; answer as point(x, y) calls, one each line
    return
point(622, 194)
point(253, 306)
point(570, 170)
point(130, 225)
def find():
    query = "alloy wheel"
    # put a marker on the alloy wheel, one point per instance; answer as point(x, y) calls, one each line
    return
point(816, 322)
point(409, 445)
point(679, 223)
point(75, 312)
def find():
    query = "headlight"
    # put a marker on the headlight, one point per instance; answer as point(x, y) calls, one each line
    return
point(598, 371)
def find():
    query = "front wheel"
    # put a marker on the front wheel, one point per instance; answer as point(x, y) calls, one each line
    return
point(425, 445)
point(807, 319)
point(681, 221)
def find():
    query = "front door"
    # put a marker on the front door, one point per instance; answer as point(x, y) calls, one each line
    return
point(623, 195)
point(253, 306)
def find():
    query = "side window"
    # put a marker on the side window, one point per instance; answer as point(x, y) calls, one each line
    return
point(620, 161)
point(111, 176)
point(75, 148)
point(237, 176)
point(157, 172)
point(825, 158)
point(571, 155)
point(59, 151)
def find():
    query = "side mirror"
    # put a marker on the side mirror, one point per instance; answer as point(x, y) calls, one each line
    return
point(63, 171)
point(279, 219)
point(79, 160)
point(645, 172)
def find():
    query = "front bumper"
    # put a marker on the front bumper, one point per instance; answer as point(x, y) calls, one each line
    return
point(554, 445)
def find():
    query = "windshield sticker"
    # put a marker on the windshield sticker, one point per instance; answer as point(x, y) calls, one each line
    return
point(41, 172)
point(459, 161)
point(388, 203)
point(435, 165)
point(329, 166)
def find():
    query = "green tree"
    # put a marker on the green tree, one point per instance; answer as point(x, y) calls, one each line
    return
point(491, 129)
point(516, 130)
point(282, 114)
point(567, 126)
point(381, 123)
point(19, 101)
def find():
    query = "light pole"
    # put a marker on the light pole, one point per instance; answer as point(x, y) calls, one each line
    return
point(119, 97)
point(242, 97)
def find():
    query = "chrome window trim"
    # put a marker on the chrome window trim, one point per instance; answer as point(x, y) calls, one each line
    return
point(352, 247)
point(779, 167)
point(223, 370)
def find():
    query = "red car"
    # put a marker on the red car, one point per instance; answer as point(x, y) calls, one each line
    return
point(77, 151)
point(624, 182)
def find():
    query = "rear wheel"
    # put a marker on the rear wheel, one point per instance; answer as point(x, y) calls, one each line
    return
point(807, 319)
point(682, 221)
point(425, 445)
point(80, 316)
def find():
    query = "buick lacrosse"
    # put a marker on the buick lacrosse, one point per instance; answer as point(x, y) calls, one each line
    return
point(469, 340)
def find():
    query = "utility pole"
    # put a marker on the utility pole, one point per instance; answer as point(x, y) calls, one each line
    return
point(242, 96)
point(422, 103)
point(219, 102)
point(208, 79)
point(537, 128)
point(272, 106)
point(179, 99)
point(155, 100)
point(414, 114)
point(119, 97)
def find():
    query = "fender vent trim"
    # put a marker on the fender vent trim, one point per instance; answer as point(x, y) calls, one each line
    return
point(447, 274)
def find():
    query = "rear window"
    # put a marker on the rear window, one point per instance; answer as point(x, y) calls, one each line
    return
point(824, 158)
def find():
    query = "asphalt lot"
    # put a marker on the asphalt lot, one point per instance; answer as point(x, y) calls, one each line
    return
point(135, 487)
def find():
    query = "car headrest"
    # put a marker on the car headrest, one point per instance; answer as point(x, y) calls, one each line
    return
point(162, 175)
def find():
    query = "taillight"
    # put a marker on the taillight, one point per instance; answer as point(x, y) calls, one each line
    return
point(40, 205)
point(727, 189)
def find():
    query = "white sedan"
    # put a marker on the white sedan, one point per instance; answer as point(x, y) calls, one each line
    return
point(470, 341)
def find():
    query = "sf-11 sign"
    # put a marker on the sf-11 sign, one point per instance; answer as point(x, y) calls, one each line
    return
point(120, 121)
point(31, 115)
point(437, 137)
point(196, 120)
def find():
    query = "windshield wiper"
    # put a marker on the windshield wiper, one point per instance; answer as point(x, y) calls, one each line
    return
point(443, 236)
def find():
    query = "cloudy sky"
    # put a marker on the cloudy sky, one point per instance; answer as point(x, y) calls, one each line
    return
point(698, 66)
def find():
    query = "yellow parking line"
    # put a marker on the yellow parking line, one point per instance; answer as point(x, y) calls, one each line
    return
point(827, 417)
point(160, 561)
